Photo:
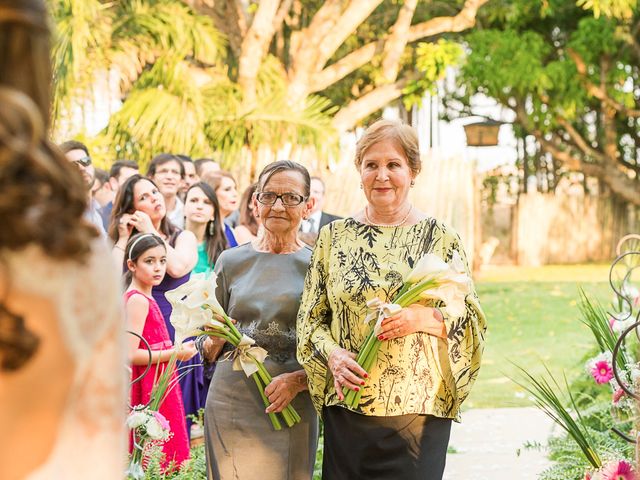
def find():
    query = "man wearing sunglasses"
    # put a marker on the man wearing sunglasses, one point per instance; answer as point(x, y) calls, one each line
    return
point(78, 153)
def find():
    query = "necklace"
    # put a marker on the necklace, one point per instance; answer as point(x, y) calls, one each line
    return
point(366, 217)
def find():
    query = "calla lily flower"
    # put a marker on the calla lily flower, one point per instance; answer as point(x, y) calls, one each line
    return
point(428, 266)
point(199, 291)
point(453, 295)
point(189, 322)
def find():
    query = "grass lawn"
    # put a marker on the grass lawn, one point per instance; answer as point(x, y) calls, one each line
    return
point(533, 317)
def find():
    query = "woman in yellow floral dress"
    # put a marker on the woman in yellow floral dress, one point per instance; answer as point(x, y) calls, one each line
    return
point(427, 362)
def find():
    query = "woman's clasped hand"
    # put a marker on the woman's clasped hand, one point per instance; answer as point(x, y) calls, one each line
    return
point(413, 319)
point(283, 388)
point(346, 371)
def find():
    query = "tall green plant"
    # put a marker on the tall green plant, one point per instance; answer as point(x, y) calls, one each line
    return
point(546, 395)
point(595, 317)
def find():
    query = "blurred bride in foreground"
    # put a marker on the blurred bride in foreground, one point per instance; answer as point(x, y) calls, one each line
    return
point(62, 376)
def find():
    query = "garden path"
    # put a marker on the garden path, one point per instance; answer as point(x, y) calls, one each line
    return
point(487, 443)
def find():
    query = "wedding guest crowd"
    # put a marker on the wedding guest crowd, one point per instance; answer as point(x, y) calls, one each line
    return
point(203, 219)
point(78, 154)
point(248, 218)
point(190, 175)
point(100, 191)
point(167, 171)
point(298, 284)
point(318, 218)
point(120, 170)
point(145, 257)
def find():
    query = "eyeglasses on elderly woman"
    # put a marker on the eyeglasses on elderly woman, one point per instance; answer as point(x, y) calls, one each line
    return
point(288, 199)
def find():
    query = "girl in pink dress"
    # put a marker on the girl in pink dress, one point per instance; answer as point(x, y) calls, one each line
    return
point(146, 258)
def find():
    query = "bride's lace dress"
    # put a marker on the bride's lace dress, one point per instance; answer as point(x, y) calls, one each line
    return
point(91, 440)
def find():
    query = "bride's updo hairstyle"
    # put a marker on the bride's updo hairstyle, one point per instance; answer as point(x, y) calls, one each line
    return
point(43, 197)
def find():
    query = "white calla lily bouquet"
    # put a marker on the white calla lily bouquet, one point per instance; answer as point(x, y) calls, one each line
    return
point(431, 279)
point(194, 307)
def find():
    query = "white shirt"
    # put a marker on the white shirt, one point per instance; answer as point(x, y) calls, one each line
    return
point(311, 224)
point(93, 215)
point(177, 214)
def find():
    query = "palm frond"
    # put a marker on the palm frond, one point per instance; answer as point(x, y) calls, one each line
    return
point(546, 399)
point(82, 35)
point(145, 30)
point(164, 112)
point(596, 318)
point(273, 122)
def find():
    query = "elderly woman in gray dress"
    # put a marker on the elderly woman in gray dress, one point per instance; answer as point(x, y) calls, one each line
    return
point(259, 285)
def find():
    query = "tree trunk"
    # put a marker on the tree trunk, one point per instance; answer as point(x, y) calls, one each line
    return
point(303, 45)
point(619, 183)
point(525, 164)
point(254, 47)
point(313, 47)
point(348, 117)
point(395, 45)
point(228, 17)
point(602, 166)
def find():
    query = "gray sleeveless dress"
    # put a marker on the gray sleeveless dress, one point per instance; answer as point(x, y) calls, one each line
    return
point(262, 292)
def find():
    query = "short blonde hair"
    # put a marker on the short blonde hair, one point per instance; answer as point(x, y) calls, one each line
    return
point(214, 179)
point(402, 134)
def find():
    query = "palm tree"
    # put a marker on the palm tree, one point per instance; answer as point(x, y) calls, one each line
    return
point(170, 72)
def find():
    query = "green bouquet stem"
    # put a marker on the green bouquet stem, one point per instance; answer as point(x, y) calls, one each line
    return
point(262, 377)
point(408, 294)
point(272, 416)
point(135, 470)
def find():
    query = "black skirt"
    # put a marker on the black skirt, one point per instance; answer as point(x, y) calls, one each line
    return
point(407, 447)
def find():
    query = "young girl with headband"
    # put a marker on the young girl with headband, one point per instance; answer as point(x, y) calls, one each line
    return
point(146, 263)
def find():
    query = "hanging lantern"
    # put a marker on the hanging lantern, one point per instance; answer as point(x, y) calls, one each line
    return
point(482, 134)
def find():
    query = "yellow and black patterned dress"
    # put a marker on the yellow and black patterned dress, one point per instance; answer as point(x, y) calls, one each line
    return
point(417, 374)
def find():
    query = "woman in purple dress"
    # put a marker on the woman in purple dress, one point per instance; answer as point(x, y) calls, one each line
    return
point(139, 207)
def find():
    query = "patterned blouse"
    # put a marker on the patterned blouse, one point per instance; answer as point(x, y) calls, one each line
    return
point(417, 374)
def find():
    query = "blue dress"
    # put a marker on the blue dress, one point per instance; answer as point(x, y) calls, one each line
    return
point(230, 236)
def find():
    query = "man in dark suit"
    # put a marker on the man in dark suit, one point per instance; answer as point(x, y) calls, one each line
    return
point(317, 219)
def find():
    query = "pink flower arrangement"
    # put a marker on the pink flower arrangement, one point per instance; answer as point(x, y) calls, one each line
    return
point(147, 426)
point(617, 395)
point(162, 420)
point(620, 470)
point(602, 372)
